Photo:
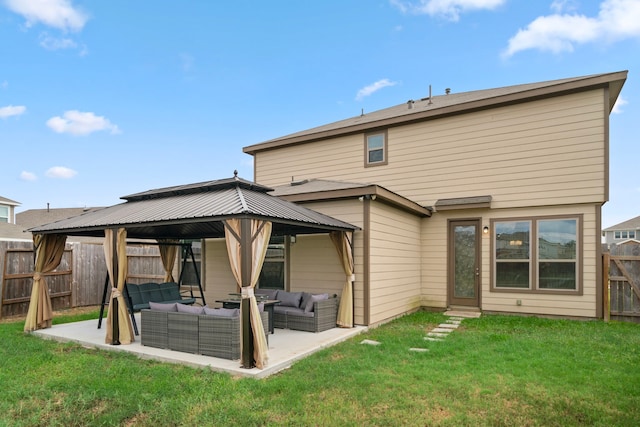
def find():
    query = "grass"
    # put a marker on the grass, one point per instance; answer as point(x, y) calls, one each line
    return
point(496, 370)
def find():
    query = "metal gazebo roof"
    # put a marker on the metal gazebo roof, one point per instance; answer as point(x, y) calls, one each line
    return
point(195, 211)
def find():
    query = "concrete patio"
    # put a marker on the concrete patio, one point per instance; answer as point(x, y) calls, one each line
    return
point(285, 347)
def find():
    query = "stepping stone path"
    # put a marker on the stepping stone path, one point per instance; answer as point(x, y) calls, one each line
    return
point(440, 332)
point(443, 330)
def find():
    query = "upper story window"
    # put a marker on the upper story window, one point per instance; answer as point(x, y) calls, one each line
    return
point(4, 213)
point(631, 234)
point(539, 255)
point(375, 148)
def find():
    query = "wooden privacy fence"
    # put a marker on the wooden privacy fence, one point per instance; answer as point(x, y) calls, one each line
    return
point(79, 279)
point(622, 267)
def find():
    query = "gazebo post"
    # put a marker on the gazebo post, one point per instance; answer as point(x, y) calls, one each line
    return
point(246, 260)
point(115, 333)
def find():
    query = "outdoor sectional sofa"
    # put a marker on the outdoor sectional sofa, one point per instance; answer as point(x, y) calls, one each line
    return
point(139, 296)
point(206, 334)
point(303, 311)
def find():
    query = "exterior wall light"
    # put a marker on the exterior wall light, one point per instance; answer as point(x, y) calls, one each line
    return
point(485, 229)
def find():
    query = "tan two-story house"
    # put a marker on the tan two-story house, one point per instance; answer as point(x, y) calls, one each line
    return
point(488, 200)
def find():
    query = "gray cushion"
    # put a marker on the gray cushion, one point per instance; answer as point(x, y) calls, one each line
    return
point(158, 306)
point(306, 296)
point(289, 299)
point(183, 308)
point(288, 310)
point(222, 312)
point(320, 297)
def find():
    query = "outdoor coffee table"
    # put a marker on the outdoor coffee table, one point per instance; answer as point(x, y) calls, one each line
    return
point(269, 304)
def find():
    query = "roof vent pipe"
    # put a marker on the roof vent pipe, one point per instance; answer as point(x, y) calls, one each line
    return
point(410, 104)
point(447, 90)
point(430, 96)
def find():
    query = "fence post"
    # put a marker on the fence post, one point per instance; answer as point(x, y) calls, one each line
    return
point(606, 259)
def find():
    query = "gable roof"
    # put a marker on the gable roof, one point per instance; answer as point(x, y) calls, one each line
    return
point(196, 211)
point(14, 232)
point(630, 224)
point(451, 104)
point(5, 201)
point(34, 217)
point(313, 190)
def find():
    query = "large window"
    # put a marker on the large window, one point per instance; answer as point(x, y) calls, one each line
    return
point(375, 149)
point(539, 255)
point(630, 234)
point(4, 213)
point(273, 271)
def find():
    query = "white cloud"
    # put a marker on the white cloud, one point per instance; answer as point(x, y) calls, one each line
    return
point(79, 123)
point(368, 90)
point(449, 9)
point(559, 6)
point(617, 20)
point(28, 176)
point(617, 108)
point(56, 43)
point(12, 111)
point(61, 172)
point(60, 14)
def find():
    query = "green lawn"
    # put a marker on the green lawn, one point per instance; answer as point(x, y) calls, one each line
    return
point(496, 370)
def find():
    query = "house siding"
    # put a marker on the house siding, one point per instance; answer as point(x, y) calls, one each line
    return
point(325, 269)
point(545, 152)
point(218, 275)
point(434, 265)
point(395, 279)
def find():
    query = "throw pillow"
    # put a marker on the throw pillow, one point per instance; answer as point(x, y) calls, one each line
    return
point(306, 297)
point(289, 299)
point(158, 306)
point(193, 309)
point(314, 298)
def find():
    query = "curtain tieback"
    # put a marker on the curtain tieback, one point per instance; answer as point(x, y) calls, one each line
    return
point(115, 293)
point(247, 292)
point(37, 276)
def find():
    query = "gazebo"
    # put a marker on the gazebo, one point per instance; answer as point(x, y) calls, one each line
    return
point(238, 210)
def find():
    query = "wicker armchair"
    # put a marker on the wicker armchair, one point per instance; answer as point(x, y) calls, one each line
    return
point(324, 316)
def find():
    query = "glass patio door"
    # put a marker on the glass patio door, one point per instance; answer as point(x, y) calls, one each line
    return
point(464, 263)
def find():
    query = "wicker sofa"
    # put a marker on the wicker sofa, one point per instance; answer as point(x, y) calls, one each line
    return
point(209, 335)
point(303, 311)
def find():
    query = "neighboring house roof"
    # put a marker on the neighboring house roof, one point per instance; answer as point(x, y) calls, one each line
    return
point(34, 217)
point(5, 201)
point(196, 211)
point(444, 105)
point(631, 224)
point(13, 232)
point(311, 190)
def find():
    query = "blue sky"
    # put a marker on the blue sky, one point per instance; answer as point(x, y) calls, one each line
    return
point(100, 99)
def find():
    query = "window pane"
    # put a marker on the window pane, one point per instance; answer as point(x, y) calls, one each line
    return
point(376, 156)
point(375, 141)
point(512, 275)
point(632, 234)
point(512, 240)
point(616, 234)
point(272, 275)
point(557, 275)
point(4, 214)
point(557, 239)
